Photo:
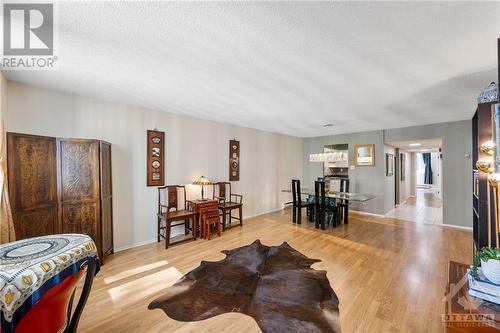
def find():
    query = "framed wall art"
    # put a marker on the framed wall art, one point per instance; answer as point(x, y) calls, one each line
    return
point(234, 160)
point(156, 158)
point(364, 155)
point(389, 164)
point(403, 167)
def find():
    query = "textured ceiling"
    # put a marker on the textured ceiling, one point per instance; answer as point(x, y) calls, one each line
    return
point(286, 67)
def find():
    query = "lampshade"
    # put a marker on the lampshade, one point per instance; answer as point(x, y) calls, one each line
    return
point(201, 181)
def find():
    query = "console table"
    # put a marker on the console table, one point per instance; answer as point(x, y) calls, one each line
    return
point(38, 278)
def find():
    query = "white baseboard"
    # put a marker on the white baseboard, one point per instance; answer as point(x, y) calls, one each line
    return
point(263, 213)
point(150, 241)
point(126, 247)
point(366, 213)
point(455, 227)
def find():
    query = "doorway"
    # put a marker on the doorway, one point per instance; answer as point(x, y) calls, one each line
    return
point(418, 185)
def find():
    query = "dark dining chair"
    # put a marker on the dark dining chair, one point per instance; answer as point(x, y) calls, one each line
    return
point(343, 204)
point(323, 206)
point(228, 201)
point(298, 203)
point(169, 215)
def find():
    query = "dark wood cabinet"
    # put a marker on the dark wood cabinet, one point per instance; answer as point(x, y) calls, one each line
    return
point(61, 186)
point(482, 131)
point(32, 177)
point(486, 230)
point(106, 199)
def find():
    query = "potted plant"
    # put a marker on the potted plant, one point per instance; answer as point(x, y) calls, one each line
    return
point(489, 260)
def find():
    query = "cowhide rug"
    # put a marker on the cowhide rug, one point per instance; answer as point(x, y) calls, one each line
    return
point(273, 284)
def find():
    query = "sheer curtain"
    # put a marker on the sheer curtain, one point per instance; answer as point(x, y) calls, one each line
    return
point(7, 233)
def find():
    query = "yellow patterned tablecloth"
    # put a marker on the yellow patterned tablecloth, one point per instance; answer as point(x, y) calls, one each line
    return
point(30, 267)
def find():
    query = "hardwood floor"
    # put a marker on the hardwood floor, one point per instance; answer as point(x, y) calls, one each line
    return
point(389, 274)
point(426, 207)
point(426, 198)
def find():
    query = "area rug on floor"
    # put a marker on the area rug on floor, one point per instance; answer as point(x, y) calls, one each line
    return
point(273, 284)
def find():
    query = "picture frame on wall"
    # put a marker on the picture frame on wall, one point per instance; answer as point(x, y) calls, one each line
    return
point(389, 165)
point(364, 155)
point(403, 166)
point(155, 169)
point(234, 160)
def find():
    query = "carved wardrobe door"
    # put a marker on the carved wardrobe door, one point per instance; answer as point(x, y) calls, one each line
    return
point(61, 186)
point(32, 176)
point(79, 198)
point(106, 200)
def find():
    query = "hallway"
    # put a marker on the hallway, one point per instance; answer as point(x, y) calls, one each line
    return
point(426, 207)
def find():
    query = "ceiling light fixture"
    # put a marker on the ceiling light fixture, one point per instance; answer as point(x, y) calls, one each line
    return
point(415, 144)
point(328, 156)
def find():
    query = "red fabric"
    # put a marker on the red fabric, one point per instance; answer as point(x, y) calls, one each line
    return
point(50, 314)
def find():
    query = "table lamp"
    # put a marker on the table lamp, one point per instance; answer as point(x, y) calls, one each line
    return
point(202, 181)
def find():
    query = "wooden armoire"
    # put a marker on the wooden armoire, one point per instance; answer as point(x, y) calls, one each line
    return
point(61, 186)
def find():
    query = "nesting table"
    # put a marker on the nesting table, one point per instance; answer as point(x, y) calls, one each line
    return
point(195, 206)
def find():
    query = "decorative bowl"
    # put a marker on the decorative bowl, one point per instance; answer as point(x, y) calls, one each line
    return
point(491, 270)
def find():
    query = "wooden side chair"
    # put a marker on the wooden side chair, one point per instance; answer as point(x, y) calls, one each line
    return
point(169, 213)
point(210, 219)
point(228, 201)
point(298, 204)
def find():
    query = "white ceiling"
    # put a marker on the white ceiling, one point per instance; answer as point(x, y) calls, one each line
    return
point(286, 67)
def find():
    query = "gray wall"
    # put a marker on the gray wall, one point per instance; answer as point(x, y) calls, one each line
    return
point(413, 180)
point(456, 143)
point(389, 182)
point(456, 173)
point(193, 147)
point(366, 180)
point(405, 189)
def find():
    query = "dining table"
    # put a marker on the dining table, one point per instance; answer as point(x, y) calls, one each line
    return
point(350, 196)
point(344, 197)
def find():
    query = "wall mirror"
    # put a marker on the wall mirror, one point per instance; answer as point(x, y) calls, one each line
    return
point(364, 155)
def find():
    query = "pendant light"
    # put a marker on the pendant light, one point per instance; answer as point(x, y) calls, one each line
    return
point(328, 156)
